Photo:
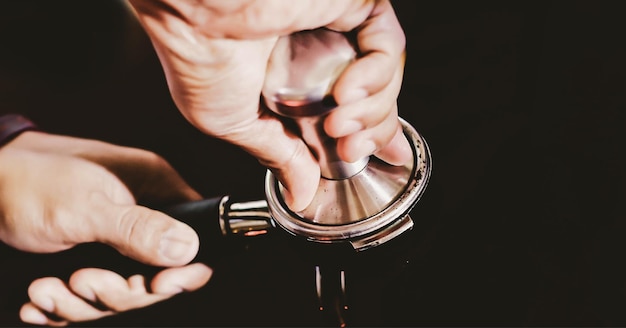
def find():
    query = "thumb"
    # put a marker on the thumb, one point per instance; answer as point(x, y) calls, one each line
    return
point(148, 236)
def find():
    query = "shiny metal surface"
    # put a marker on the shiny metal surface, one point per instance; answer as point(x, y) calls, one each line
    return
point(365, 209)
point(301, 72)
point(331, 292)
point(244, 218)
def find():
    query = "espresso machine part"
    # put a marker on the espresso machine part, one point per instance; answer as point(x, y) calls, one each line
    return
point(339, 275)
point(365, 203)
point(222, 217)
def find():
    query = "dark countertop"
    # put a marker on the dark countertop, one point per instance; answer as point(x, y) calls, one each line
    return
point(523, 106)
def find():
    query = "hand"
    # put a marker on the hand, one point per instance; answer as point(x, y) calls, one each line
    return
point(215, 53)
point(57, 192)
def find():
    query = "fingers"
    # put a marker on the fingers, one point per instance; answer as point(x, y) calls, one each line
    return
point(30, 313)
point(398, 151)
point(366, 120)
point(95, 293)
point(392, 148)
point(381, 43)
point(371, 126)
point(50, 295)
point(118, 294)
point(185, 279)
point(112, 291)
point(369, 111)
point(286, 155)
point(145, 235)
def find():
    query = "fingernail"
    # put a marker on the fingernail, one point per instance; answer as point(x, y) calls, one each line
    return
point(406, 152)
point(354, 95)
point(350, 126)
point(295, 205)
point(288, 197)
point(176, 243)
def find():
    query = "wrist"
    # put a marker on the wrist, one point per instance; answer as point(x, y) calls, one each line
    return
point(12, 125)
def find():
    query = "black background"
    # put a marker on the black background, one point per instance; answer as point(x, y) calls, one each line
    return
point(523, 105)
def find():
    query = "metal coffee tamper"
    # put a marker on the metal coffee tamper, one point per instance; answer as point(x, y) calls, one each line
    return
point(365, 203)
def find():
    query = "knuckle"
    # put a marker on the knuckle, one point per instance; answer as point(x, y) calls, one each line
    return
point(128, 227)
point(153, 158)
point(44, 286)
point(117, 307)
point(81, 278)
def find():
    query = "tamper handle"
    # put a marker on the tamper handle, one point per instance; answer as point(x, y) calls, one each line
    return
point(301, 73)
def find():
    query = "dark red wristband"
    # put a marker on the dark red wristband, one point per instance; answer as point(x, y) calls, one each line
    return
point(11, 125)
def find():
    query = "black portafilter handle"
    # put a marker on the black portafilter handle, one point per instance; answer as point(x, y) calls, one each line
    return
point(198, 213)
point(202, 216)
point(224, 228)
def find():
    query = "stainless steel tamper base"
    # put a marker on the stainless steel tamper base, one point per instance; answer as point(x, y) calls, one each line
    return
point(366, 209)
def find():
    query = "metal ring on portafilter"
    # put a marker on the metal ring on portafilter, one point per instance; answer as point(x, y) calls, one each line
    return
point(365, 203)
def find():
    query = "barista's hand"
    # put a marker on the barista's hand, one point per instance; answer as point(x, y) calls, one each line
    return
point(57, 192)
point(215, 53)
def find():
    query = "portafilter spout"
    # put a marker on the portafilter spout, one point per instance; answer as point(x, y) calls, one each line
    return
point(364, 203)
